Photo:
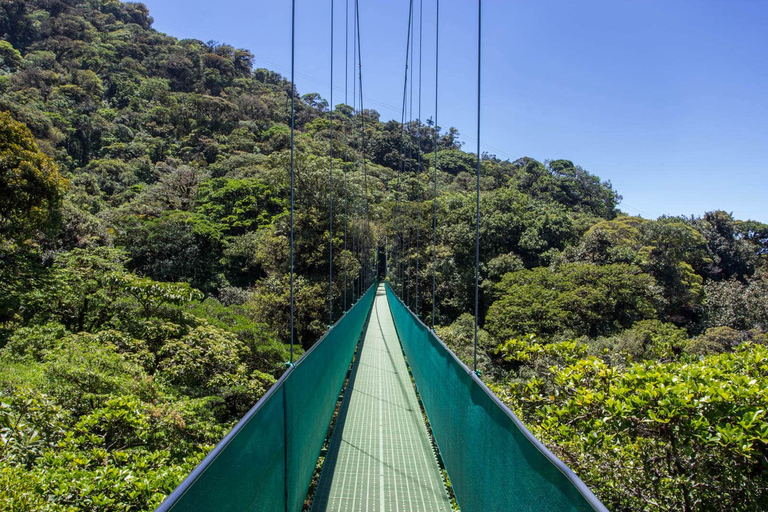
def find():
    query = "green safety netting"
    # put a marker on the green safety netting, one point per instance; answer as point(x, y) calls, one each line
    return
point(493, 462)
point(266, 462)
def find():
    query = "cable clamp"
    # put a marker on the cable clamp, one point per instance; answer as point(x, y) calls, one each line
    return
point(289, 364)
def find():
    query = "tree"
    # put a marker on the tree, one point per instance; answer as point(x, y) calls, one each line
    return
point(673, 252)
point(238, 205)
point(577, 298)
point(77, 291)
point(177, 246)
point(651, 340)
point(732, 254)
point(568, 184)
point(10, 58)
point(669, 249)
point(453, 161)
point(460, 337)
point(513, 227)
point(756, 233)
point(315, 101)
point(30, 184)
point(611, 241)
point(676, 436)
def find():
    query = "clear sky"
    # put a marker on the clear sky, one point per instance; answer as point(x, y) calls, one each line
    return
point(667, 99)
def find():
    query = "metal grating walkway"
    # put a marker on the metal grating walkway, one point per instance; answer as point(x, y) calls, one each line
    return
point(380, 457)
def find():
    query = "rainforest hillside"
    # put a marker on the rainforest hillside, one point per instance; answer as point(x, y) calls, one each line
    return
point(144, 298)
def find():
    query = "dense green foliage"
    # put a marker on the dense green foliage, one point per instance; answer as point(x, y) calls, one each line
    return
point(688, 435)
point(144, 275)
point(129, 382)
point(30, 184)
point(582, 298)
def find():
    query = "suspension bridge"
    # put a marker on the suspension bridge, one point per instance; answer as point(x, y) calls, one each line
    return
point(379, 415)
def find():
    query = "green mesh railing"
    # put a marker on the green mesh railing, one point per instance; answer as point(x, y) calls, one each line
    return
point(266, 462)
point(494, 463)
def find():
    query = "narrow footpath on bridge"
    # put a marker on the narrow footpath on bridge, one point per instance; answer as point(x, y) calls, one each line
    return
point(380, 456)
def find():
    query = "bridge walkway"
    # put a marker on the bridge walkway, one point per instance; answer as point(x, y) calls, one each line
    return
point(380, 457)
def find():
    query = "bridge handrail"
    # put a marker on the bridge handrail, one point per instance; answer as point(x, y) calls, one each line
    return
point(275, 446)
point(460, 455)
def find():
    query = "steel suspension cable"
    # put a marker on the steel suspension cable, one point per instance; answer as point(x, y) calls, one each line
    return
point(346, 147)
point(358, 253)
point(360, 213)
point(355, 237)
point(293, 123)
point(355, 227)
point(293, 146)
point(353, 207)
point(410, 169)
point(355, 234)
point(437, 140)
point(401, 170)
point(362, 143)
point(330, 194)
point(418, 171)
point(477, 205)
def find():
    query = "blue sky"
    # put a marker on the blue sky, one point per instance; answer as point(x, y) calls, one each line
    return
point(668, 99)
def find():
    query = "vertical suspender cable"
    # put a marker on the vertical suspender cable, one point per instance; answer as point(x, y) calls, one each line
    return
point(355, 231)
point(353, 207)
point(437, 140)
point(418, 172)
point(355, 234)
point(357, 163)
point(477, 219)
point(406, 172)
point(293, 124)
point(362, 141)
point(401, 170)
point(330, 195)
point(386, 254)
point(346, 148)
point(410, 183)
point(361, 236)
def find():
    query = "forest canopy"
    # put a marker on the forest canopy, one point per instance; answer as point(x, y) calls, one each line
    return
point(144, 290)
